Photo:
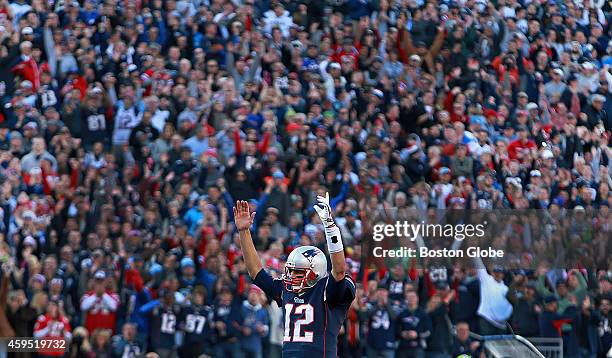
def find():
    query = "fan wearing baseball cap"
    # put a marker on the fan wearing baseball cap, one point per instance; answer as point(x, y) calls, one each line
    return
point(100, 304)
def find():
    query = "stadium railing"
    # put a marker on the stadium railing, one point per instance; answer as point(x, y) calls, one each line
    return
point(510, 345)
point(549, 347)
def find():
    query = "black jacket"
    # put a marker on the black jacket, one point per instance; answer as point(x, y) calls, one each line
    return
point(595, 117)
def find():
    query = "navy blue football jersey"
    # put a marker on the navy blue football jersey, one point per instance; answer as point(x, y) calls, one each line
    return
point(196, 322)
point(164, 326)
point(381, 327)
point(396, 289)
point(94, 126)
point(312, 318)
point(416, 320)
point(48, 97)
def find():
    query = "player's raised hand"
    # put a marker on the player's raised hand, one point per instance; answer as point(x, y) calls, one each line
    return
point(242, 215)
point(324, 210)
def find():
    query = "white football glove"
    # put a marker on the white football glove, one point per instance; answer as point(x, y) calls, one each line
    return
point(324, 210)
point(332, 232)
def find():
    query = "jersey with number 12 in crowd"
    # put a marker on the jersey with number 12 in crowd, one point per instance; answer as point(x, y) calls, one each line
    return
point(312, 318)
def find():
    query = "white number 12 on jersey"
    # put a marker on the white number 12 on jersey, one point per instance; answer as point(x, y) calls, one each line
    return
point(308, 312)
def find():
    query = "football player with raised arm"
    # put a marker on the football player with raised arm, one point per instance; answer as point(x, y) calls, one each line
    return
point(314, 303)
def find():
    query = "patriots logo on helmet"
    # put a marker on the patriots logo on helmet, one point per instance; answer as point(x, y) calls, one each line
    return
point(305, 266)
point(310, 254)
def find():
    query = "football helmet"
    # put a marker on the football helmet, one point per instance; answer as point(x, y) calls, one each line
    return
point(311, 262)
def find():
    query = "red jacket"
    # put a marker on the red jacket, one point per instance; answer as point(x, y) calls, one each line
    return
point(28, 70)
point(49, 328)
point(339, 53)
point(449, 101)
point(501, 70)
point(101, 311)
point(516, 147)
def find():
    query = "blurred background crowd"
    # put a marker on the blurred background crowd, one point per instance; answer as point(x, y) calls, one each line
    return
point(129, 128)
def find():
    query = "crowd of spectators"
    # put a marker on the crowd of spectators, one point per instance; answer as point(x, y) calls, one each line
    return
point(129, 128)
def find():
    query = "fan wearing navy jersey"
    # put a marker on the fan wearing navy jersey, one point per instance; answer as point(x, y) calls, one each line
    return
point(414, 327)
point(315, 303)
point(255, 325)
point(126, 345)
point(48, 93)
point(465, 307)
point(47, 97)
point(435, 275)
point(395, 282)
point(438, 274)
point(196, 323)
point(463, 345)
point(164, 323)
point(94, 126)
point(381, 317)
point(228, 325)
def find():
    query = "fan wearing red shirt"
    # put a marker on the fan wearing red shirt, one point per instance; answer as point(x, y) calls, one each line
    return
point(100, 305)
point(346, 51)
point(521, 148)
point(52, 325)
point(27, 68)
